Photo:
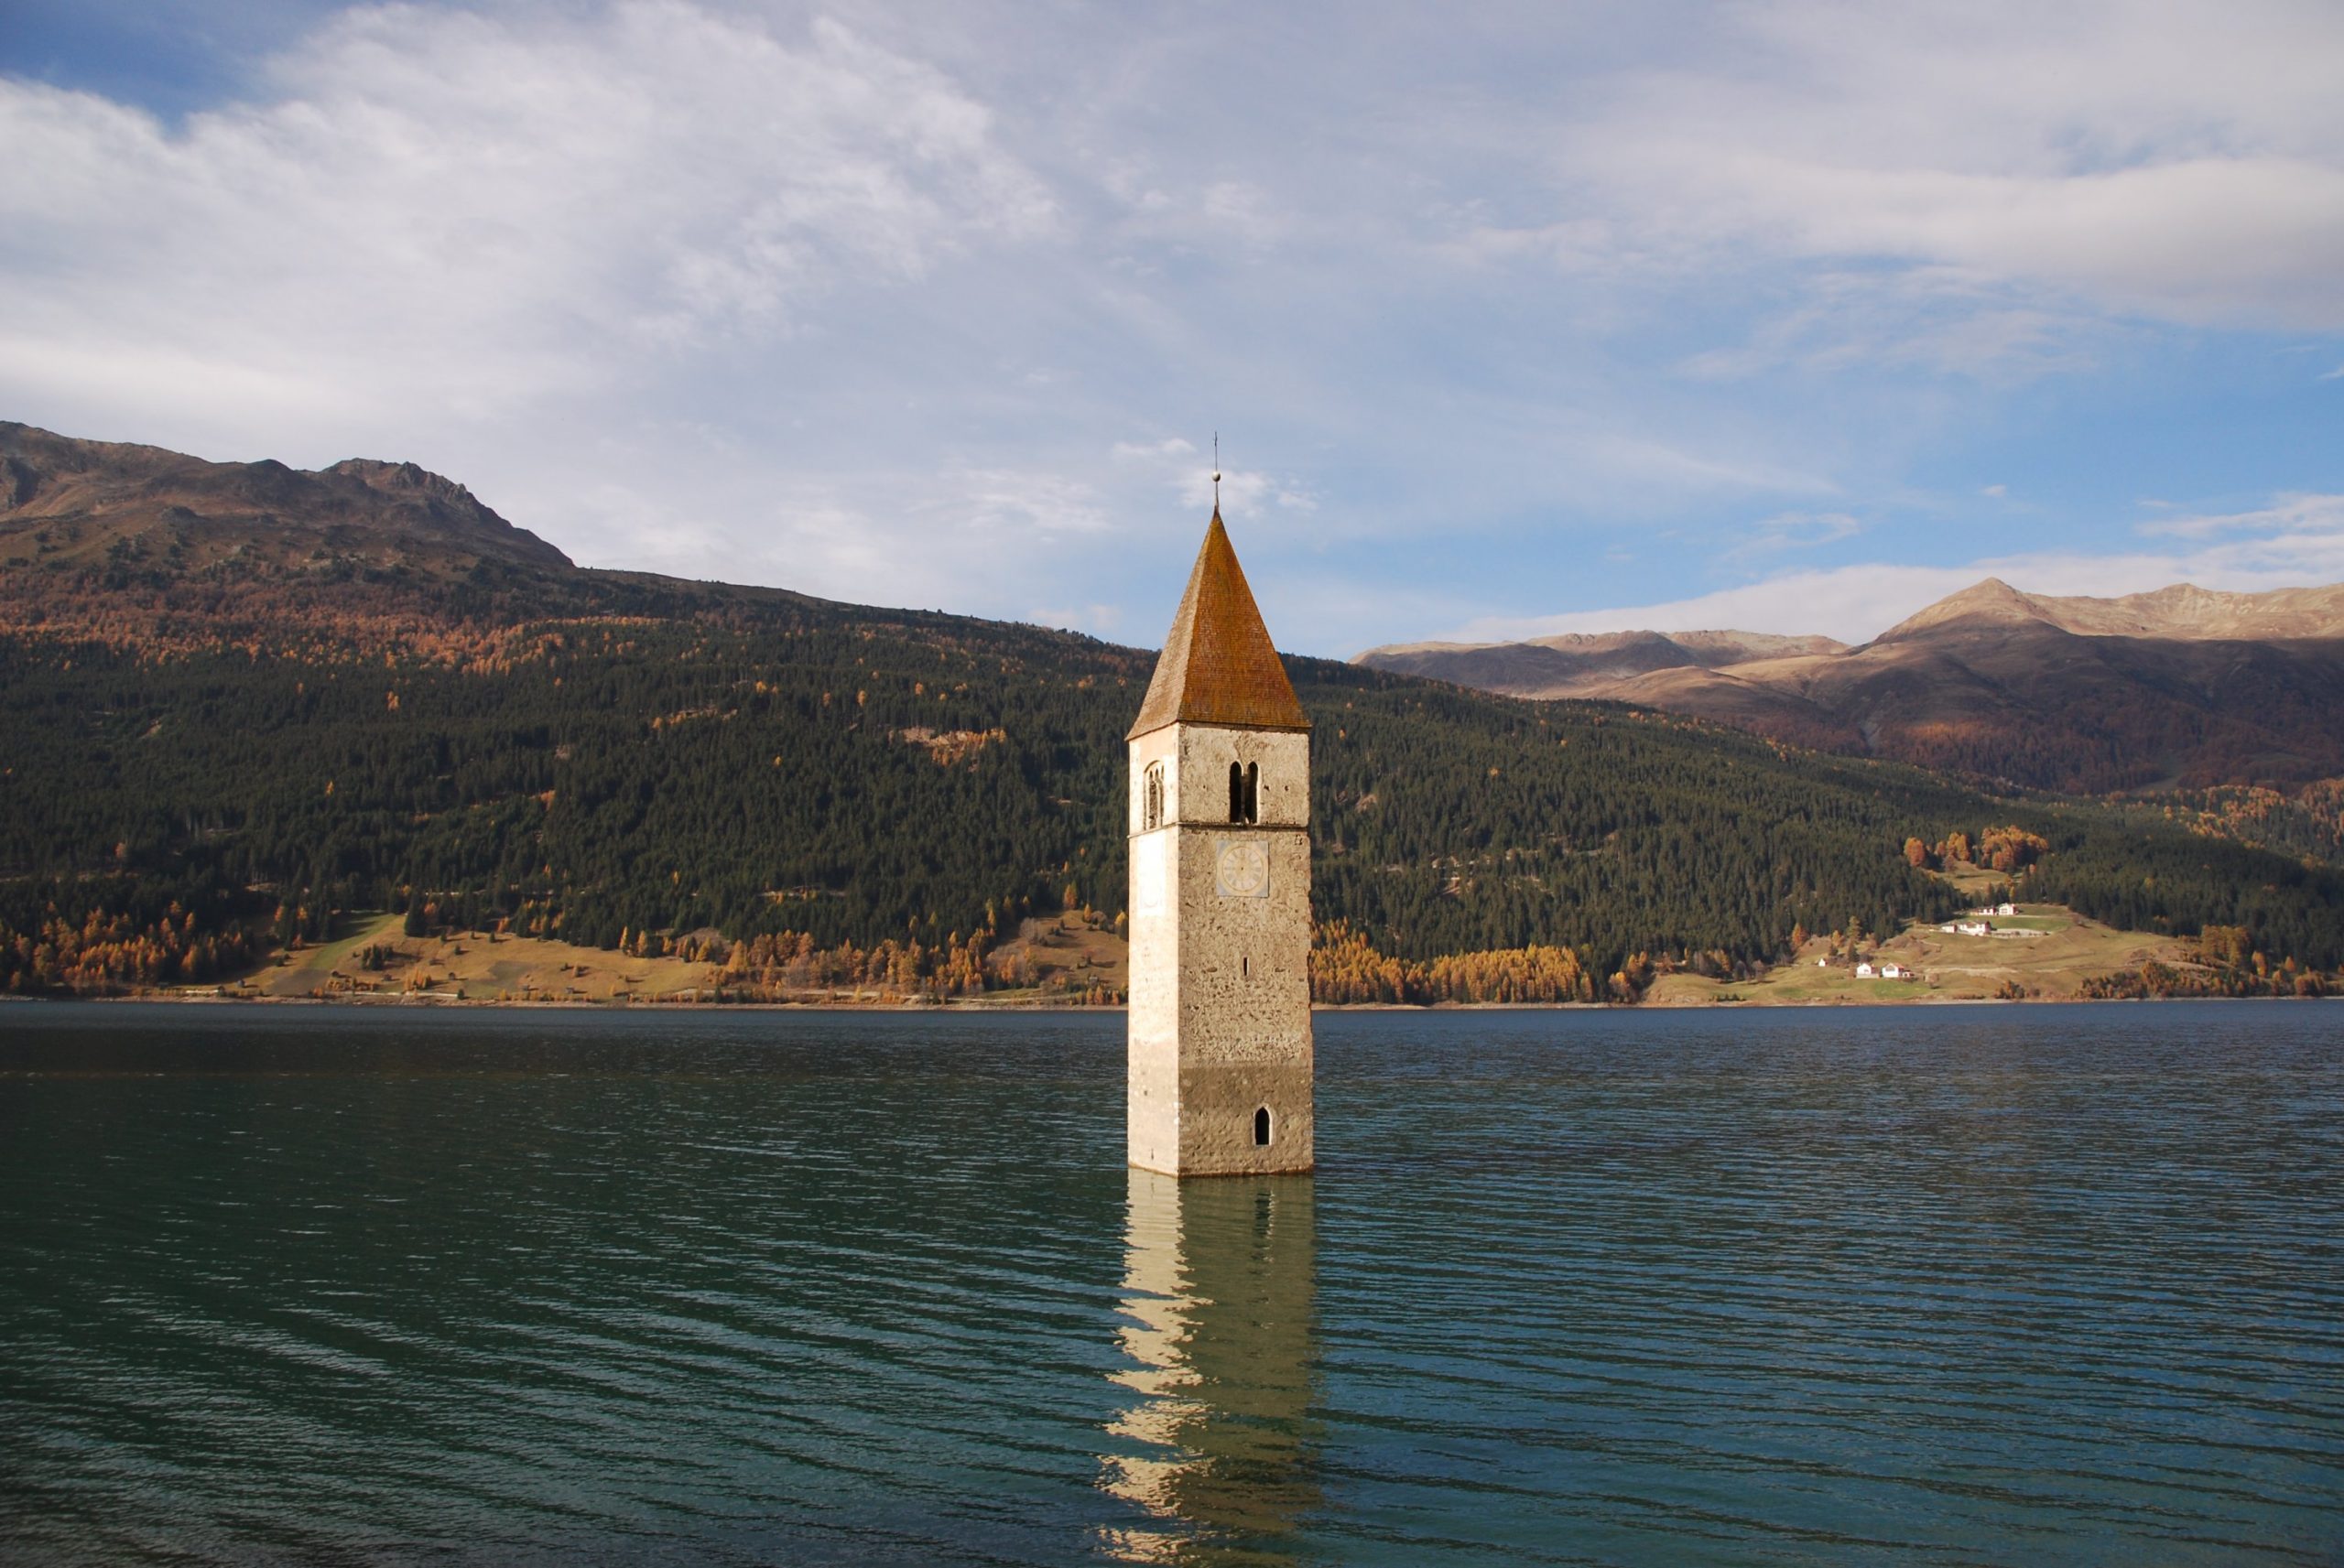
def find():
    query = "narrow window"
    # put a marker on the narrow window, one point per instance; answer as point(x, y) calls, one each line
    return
point(1261, 1127)
point(1152, 799)
point(1244, 792)
point(1244, 966)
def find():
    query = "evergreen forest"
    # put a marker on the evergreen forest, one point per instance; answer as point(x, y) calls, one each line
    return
point(595, 757)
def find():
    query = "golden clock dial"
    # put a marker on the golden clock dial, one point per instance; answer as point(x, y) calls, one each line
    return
point(1242, 869)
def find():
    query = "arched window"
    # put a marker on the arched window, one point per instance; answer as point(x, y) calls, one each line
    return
point(1261, 1127)
point(1151, 810)
point(1244, 792)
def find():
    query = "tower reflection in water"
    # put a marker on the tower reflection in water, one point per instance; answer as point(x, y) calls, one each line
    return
point(1219, 1449)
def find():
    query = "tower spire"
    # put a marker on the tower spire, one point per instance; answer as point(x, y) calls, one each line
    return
point(1219, 665)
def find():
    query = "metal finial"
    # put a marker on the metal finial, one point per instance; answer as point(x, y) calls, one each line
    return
point(1216, 473)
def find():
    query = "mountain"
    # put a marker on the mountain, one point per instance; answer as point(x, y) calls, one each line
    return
point(207, 753)
point(137, 545)
point(68, 502)
point(2183, 687)
point(1574, 665)
point(2182, 613)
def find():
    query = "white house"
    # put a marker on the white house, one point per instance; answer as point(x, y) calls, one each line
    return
point(1863, 971)
point(1895, 972)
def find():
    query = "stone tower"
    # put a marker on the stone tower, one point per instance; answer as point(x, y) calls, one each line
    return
point(1220, 1020)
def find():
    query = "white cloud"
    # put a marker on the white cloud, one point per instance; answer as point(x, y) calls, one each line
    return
point(1018, 509)
point(1930, 317)
point(479, 211)
point(2291, 516)
point(2297, 539)
point(1172, 448)
point(924, 540)
point(1787, 531)
point(2258, 239)
point(2002, 174)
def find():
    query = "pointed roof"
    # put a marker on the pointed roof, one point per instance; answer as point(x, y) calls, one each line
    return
point(1217, 665)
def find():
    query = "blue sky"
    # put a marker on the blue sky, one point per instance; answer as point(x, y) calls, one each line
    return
point(1512, 318)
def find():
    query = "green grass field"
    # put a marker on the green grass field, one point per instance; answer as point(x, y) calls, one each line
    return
point(2052, 966)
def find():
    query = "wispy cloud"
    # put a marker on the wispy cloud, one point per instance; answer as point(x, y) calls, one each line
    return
point(2296, 539)
point(1020, 508)
point(1787, 531)
point(2288, 515)
point(878, 308)
point(1188, 473)
point(483, 211)
point(2022, 182)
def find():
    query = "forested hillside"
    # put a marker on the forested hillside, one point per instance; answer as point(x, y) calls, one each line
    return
point(204, 754)
point(856, 776)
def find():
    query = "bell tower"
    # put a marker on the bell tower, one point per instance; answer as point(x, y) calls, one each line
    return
point(1219, 1041)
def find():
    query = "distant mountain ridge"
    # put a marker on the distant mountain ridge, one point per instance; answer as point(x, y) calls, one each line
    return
point(2181, 611)
point(138, 546)
point(2184, 686)
point(1575, 660)
point(72, 501)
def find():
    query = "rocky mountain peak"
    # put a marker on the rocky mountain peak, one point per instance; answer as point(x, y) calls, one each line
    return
point(89, 494)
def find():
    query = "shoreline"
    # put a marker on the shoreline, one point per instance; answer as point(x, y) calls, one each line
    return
point(422, 1003)
point(472, 969)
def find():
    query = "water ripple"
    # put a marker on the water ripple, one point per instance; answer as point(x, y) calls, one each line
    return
point(2031, 1285)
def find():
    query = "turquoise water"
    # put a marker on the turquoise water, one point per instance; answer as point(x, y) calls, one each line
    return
point(2023, 1285)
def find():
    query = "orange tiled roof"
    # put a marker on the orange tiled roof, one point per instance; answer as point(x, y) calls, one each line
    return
point(1217, 665)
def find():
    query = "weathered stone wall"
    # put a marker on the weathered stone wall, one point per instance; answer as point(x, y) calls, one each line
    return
point(1202, 771)
point(1220, 1014)
point(1157, 746)
point(1151, 1018)
point(1196, 761)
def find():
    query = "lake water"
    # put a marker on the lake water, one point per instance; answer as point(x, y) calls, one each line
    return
point(2016, 1286)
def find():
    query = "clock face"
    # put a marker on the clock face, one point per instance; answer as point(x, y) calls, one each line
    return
point(1242, 869)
